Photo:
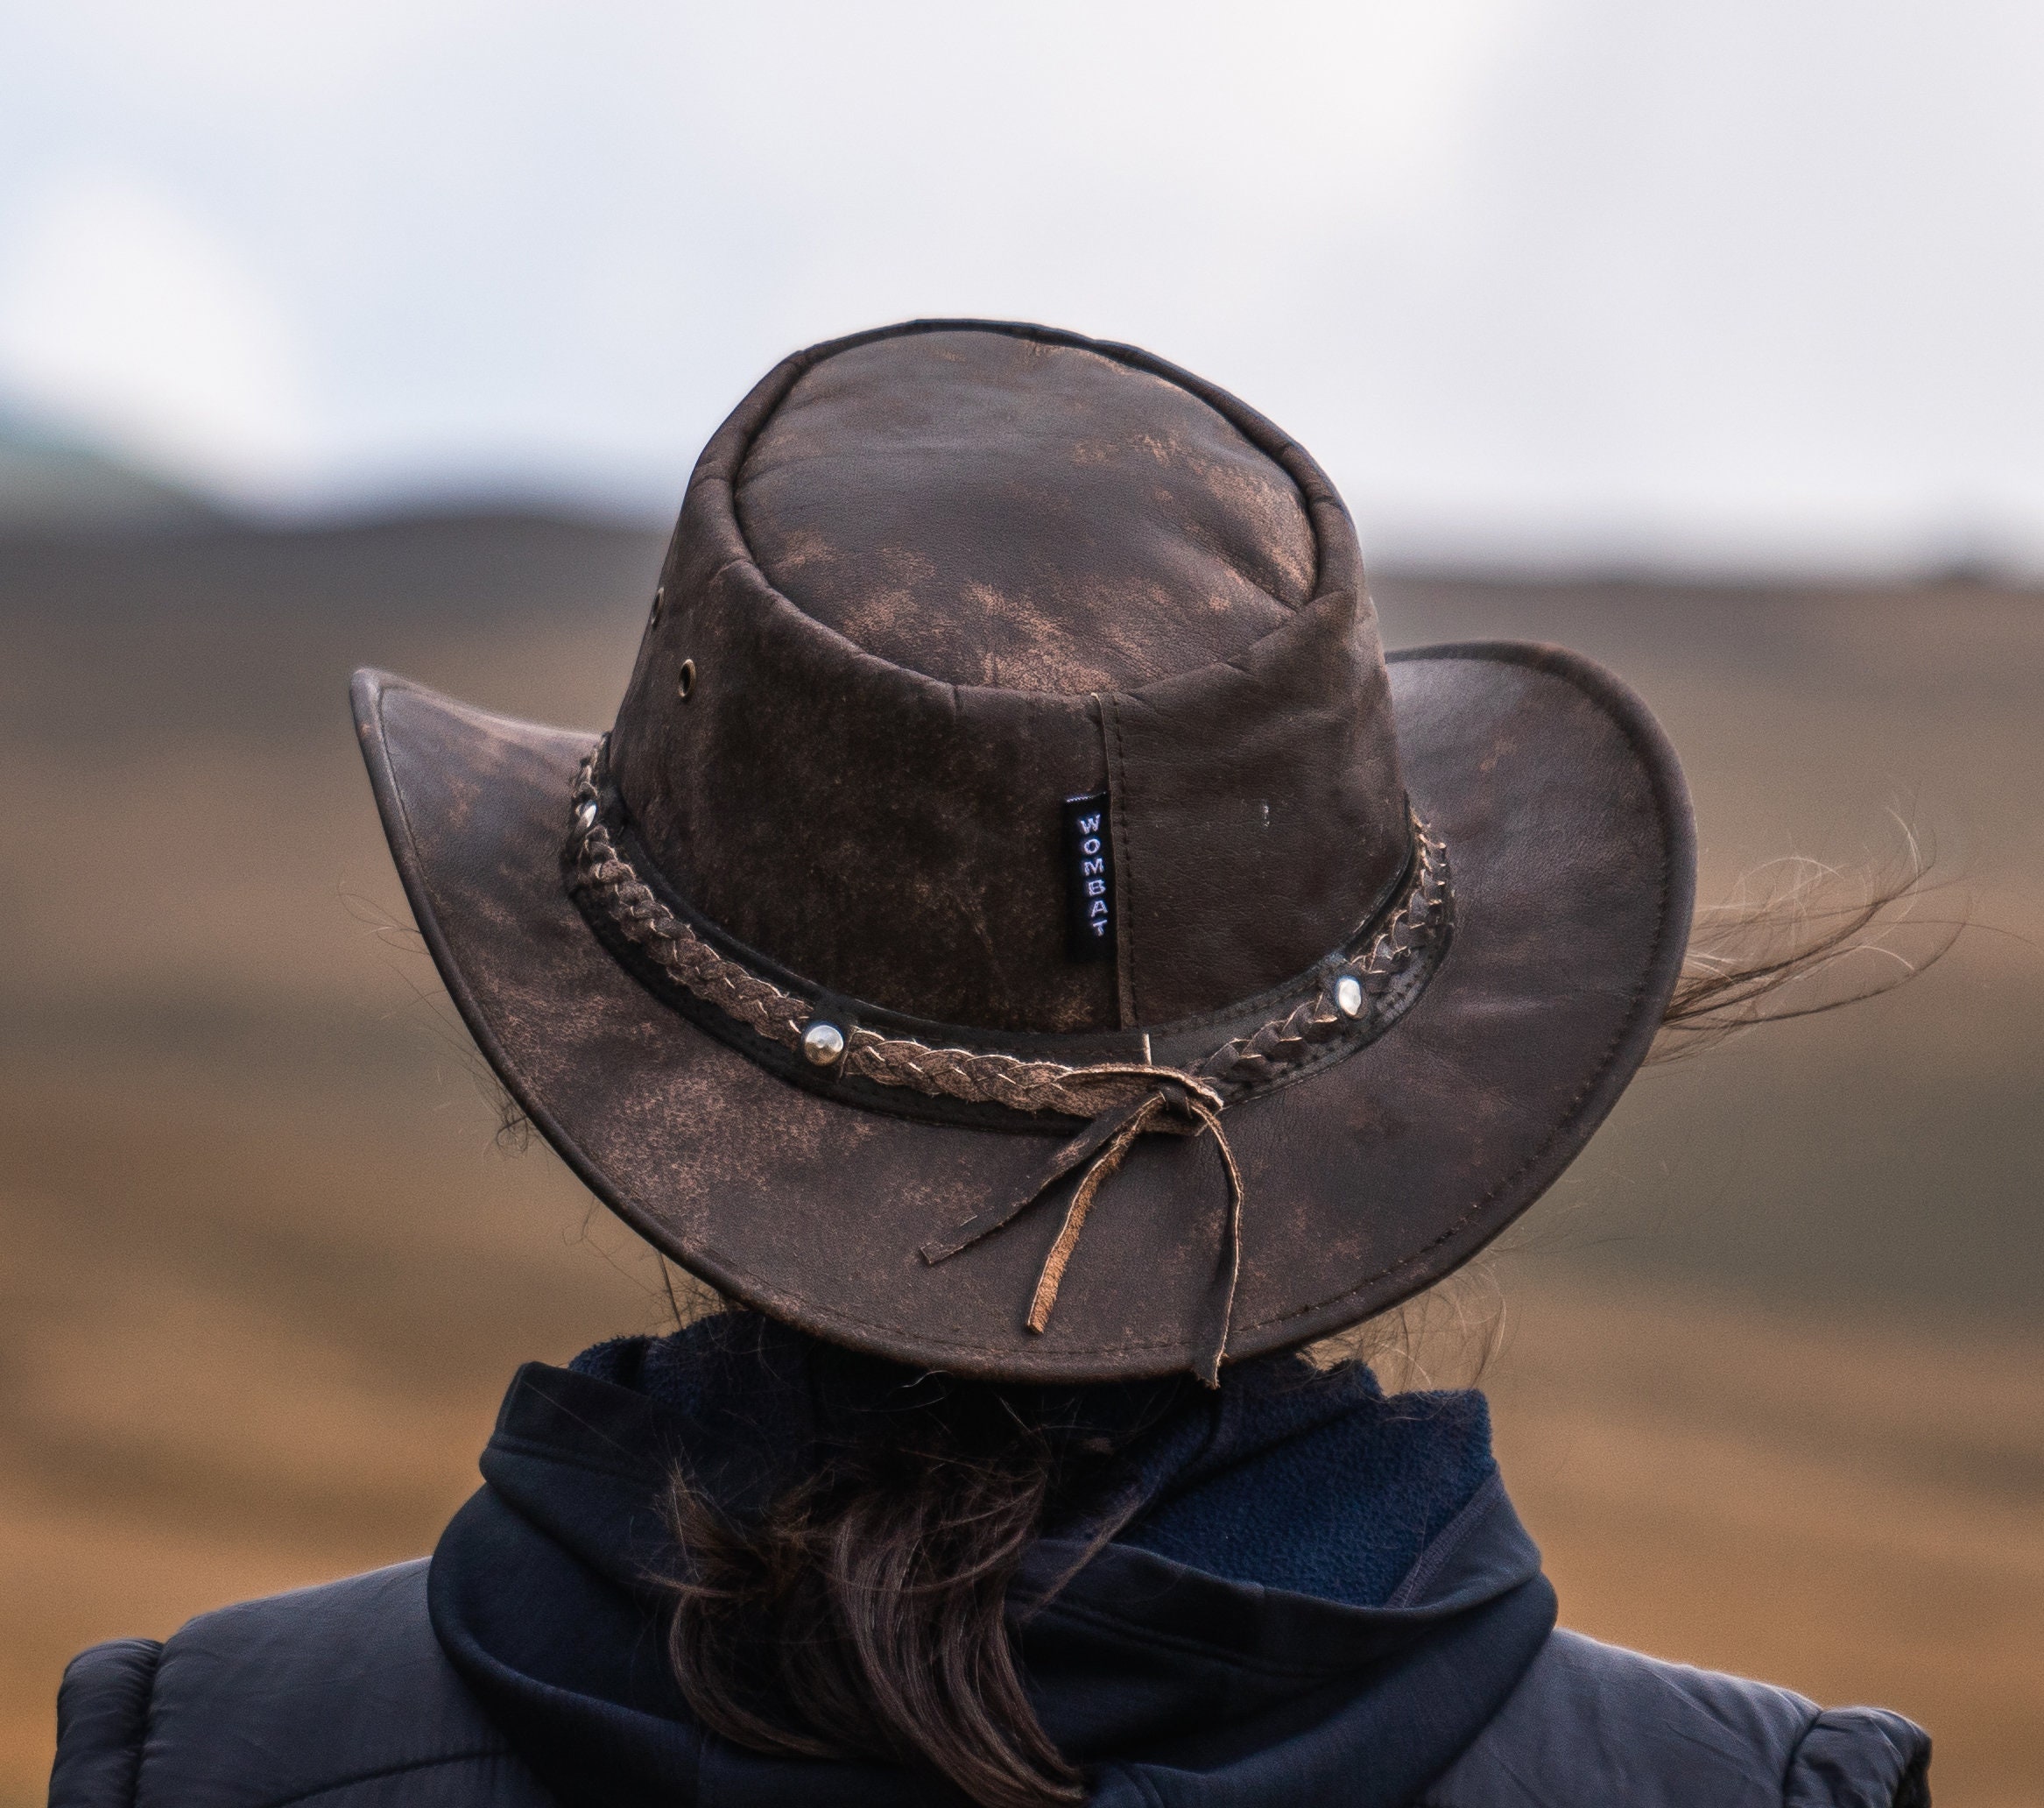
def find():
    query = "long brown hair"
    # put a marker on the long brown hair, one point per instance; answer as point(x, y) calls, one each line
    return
point(864, 1614)
point(1798, 938)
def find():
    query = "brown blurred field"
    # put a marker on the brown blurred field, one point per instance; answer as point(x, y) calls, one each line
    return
point(1770, 1386)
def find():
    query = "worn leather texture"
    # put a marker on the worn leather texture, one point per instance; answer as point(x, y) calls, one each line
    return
point(883, 522)
point(1364, 1182)
point(341, 1697)
point(1166, 596)
point(1003, 512)
point(1258, 803)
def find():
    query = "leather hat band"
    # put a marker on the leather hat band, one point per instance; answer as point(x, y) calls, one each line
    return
point(1345, 1002)
point(858, 1051)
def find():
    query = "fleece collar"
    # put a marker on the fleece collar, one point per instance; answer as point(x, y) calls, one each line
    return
point(1324, 1595)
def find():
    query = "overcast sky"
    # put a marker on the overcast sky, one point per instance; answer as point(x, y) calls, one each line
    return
point(1748, 282)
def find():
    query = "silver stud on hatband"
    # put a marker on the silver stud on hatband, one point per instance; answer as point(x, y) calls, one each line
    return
point(1349, 995)
point(823, 1043)
point(585, 815)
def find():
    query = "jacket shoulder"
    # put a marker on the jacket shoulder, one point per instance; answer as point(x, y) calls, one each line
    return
point(335, 1697)
point(1591, 1723)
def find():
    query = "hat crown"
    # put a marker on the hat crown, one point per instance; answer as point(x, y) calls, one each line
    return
point(996, 511)
point(930, 584)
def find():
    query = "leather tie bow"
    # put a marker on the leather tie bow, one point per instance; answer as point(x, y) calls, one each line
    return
point(1176, 1105)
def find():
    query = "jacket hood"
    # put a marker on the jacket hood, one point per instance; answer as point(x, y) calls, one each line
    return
point(1322, 1593)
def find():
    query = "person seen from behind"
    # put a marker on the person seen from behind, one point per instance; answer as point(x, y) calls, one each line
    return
point(1028, 951)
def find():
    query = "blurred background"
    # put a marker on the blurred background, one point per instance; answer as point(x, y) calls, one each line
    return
point(1703, 339)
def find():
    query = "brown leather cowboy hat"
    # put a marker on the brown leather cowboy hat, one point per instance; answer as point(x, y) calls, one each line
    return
point(1013, 829)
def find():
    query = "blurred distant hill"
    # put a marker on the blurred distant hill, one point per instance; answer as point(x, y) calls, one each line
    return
point(1772, 1395)
point(184, 695)
point(53, 481)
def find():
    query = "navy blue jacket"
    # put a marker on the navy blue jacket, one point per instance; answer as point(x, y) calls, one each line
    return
point(1325, 1598)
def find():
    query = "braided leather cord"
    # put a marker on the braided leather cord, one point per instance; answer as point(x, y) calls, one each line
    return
point(1252, 1061)
point(979, 1077)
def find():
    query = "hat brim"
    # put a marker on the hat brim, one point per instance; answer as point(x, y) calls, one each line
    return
point(1568, 826)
